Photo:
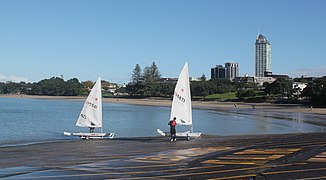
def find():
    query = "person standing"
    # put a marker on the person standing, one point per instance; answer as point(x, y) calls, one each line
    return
point(173, 132)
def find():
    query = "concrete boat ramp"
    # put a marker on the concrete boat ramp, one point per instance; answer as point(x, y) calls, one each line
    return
point(289, 156)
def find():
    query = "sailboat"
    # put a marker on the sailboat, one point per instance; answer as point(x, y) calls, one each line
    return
point(181, 105)
point(91, 115)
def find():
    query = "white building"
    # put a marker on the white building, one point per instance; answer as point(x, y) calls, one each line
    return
point(231, 70)
point(262, 56)
point(298, 87)
point(261, 80)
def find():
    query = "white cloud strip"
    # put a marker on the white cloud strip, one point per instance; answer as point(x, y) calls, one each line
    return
point(310, 71)
point(13, 78)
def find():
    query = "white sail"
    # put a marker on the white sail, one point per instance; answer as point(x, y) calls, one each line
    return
point(181, 104)
point(91, 114)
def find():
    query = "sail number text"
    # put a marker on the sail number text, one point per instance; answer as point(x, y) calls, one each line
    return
point(182, 99)
point(91, 104)
point(83, 116)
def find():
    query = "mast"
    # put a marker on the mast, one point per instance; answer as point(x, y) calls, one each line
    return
point(100, 104)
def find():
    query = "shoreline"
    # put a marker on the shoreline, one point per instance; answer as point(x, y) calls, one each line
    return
point(209, 105)
point(279, 112)
point(292, 112)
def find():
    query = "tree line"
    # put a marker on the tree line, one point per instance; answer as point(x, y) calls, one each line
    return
point(148, 82)
point(54, 86)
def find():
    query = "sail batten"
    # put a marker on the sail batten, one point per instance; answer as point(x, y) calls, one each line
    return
point(91, 114)
point(181, 104)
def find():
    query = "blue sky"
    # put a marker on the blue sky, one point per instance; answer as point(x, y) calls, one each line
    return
point(86, 39)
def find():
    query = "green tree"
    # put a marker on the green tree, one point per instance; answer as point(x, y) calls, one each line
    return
point(136, 75)
point(200, 88)
point(241, 94)
point(88, 84)
point(301, 79)
point(73, 87)
point(151, 74)
point(250, 93)
point(11, 87)
point(316, 91)
point(52, 87)
point(55, 87)
point(34, 89)
point(280, 86)
point(136, 90)
point(220, 86)
point(165, 89)
point(2, 88)
point(203, 77)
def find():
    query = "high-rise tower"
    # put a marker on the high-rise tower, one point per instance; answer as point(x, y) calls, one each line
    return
point(232, 70)
point(218, 72)
point(262, 56)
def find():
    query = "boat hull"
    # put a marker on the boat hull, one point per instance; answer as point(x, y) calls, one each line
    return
point(180, 134)
point(189, 134)
point(90, 135)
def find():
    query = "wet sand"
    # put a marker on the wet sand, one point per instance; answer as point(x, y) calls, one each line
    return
point(287, 156)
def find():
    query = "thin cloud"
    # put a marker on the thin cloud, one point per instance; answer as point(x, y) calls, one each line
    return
point(310, 71)
point(13, 78)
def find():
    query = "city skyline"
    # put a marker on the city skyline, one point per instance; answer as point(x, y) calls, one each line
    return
point(230, 71)
point(263, 62)
point(42, 39)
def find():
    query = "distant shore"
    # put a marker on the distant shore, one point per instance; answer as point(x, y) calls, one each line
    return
point(212, 105)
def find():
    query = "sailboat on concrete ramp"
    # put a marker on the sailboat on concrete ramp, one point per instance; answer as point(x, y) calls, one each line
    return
point(91, 115)
point(181, 105)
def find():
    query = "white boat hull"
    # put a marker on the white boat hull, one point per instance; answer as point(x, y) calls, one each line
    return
point(189, 134)
point(180, 134)
point(90, 135)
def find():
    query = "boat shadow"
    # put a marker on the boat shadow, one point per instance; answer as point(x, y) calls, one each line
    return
point(143, 139)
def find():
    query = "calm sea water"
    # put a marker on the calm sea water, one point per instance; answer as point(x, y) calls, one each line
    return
point(35, 120)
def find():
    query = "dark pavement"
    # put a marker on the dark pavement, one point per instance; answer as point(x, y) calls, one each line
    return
point(289, 156)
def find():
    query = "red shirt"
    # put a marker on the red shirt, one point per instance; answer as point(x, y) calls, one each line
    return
point(173, 123)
